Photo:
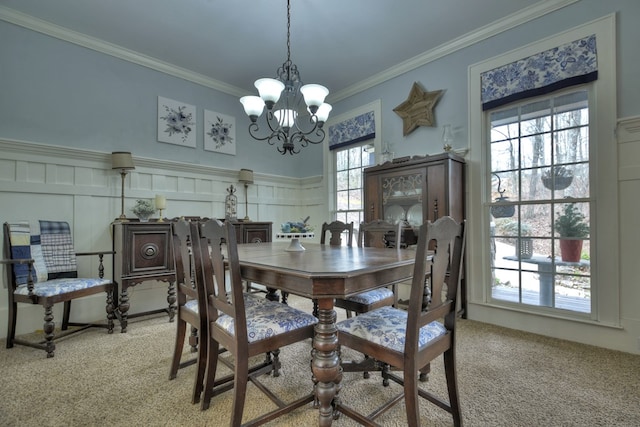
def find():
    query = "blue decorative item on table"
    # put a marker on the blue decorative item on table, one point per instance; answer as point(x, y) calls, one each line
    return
point(296, 226)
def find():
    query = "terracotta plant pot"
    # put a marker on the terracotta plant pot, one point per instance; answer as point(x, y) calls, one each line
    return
point(570, 250)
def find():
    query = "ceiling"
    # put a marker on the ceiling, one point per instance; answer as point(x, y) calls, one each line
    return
point(337, 43)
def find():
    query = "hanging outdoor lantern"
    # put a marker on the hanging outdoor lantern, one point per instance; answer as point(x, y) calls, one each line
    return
point(502, 210)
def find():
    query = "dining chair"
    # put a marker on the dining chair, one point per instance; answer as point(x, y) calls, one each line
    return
point(244, 332)
point(42, 269)
point(335, 230)
point(410, 340)
point(188, 313)
point(378, 234)
point(189, 302)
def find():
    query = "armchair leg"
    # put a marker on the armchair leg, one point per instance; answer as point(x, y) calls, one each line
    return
point(65, 315)
point(11, 327)
point(111, 315)
point(48, 328)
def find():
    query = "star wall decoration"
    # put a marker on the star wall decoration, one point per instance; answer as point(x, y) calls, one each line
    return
point(417, 110)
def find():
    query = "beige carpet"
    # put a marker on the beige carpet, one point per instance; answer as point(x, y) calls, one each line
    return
point(506, 378)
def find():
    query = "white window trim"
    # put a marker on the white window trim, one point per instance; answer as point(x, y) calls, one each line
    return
point(329, 167)
point(604, 219)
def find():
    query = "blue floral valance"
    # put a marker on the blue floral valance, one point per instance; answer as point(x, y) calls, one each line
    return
point(567, 65)
point(350, 131)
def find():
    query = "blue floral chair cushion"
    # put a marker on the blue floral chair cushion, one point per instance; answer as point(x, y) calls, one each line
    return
point(60, 286)
point(372, 296)
point(387, 326)
point(268, 319)
point(250, 300)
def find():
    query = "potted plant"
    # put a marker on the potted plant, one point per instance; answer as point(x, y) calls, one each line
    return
point(572, 227)
point(557, 178)
point(143, 209)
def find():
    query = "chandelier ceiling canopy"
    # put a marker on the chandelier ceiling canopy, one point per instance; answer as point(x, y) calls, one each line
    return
point(290, 124)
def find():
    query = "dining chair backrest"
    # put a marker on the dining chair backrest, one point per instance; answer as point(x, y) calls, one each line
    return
point(189, 300)
point(220, 270)
point(442, 269)
point(379, 234)
point(181, 229)
point(336, 229)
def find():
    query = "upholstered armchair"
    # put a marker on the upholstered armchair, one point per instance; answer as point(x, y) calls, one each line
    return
point(41, 268)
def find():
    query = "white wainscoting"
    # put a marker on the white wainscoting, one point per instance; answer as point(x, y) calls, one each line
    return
point(39, 181)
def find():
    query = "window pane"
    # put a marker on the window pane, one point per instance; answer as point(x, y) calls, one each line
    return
point(342, 180)
point(342, 200)
point(342, 160)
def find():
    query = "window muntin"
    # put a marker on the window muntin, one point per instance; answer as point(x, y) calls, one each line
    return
point(528, 144)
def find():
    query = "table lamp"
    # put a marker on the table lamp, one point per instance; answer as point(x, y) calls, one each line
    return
point(246, 176)
point(122, 160)
point(161, 204)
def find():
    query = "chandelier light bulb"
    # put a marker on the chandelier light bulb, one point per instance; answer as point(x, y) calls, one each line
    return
point(286, 118)
point(323, 113)
point(253, 106)
point(314, 96)
point(269, 90)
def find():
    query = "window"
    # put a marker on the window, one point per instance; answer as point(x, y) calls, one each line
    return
point(349, 195)
point(541, 202)
point(594, 189)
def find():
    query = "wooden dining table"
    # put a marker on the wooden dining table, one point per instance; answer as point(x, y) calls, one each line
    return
point(324, 272)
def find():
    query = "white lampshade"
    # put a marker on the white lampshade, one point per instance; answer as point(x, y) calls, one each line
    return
point(246, 175)
point(286, 117)
point(161, 201)
point(122, 160)
point(253, 106)
point(314, 95)
point(323, 112)
point(269, 90)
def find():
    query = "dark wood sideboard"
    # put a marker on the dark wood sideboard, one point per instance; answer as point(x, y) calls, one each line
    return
point(144, 253)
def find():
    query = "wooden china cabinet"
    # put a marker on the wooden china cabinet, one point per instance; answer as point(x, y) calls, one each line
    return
point(414, 190)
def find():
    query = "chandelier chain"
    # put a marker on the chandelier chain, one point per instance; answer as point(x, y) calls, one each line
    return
point(288, 31)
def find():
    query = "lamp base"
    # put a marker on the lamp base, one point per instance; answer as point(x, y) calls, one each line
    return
point(246, 219)
point(160, 216)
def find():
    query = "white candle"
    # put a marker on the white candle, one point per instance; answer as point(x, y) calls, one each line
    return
point(161, 201)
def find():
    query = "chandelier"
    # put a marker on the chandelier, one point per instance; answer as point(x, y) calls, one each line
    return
point(288, 126)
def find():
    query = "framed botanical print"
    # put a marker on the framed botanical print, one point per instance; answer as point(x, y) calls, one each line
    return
point(176, 122)
point(219, 133)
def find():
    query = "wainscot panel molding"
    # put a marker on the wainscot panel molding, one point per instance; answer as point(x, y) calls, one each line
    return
point(628, 133)
point(40, 181)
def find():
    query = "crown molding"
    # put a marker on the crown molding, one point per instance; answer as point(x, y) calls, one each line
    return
point(535, 11)
point(521, 17)
point(49, 29)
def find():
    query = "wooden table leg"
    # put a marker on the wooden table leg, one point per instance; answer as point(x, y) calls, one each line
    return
point(326, 361)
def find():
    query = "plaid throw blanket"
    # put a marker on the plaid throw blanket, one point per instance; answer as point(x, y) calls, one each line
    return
point(57, 249)
point(52, 251)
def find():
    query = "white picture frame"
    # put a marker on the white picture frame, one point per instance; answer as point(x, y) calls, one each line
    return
point(176, 122)
point(219, 132)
